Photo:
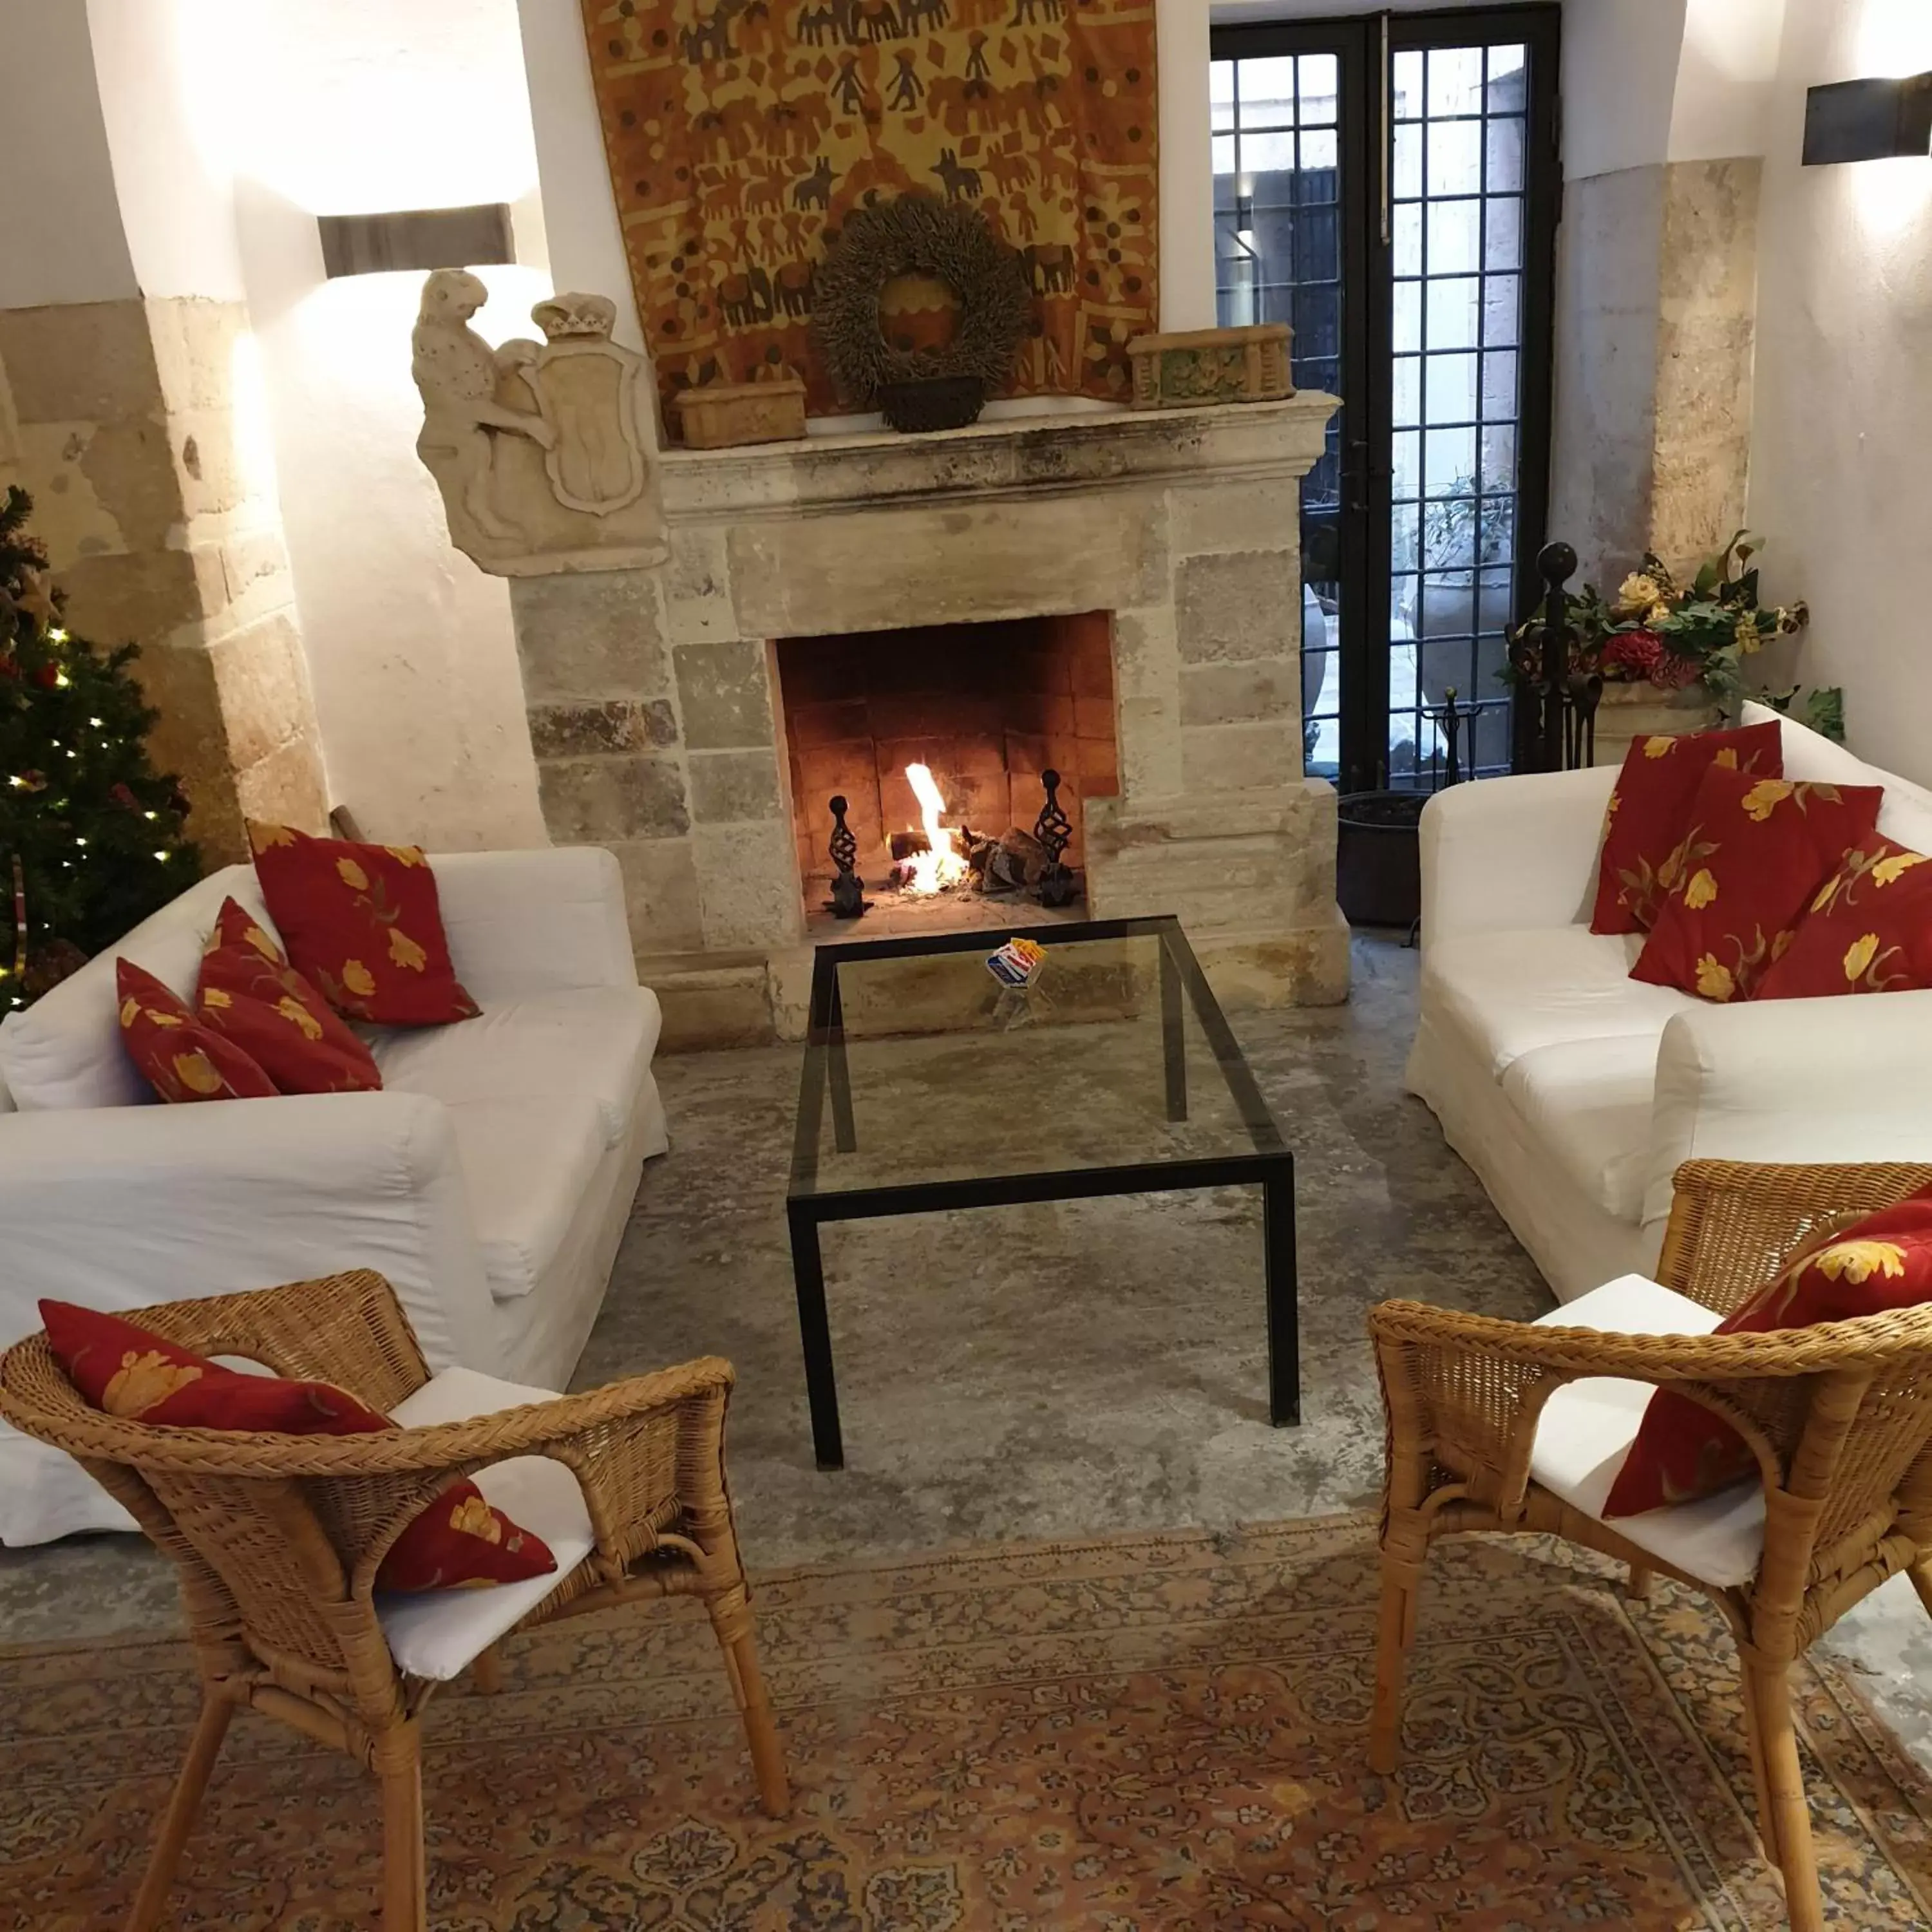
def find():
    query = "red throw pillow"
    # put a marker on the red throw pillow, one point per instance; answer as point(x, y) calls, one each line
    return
point(130, 1371)
point(1864, 1266)
point(1868, 929)
point(180, 1057)
point(363, 923)
point(250, 993)
point(1754, 852)
point(1649, 806)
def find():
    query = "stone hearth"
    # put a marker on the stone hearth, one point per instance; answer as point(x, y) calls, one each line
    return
point(654, 714)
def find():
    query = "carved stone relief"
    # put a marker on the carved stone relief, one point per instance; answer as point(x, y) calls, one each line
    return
point(542, 451)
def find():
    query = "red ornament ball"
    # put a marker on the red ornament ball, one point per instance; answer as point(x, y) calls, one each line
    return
point(48, 676)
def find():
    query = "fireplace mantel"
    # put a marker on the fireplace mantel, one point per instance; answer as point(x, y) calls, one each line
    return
point(651, 697)
point(1084, 450)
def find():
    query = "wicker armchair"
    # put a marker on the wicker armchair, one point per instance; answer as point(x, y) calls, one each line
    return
point(1839, 1417)
point(277, 1538)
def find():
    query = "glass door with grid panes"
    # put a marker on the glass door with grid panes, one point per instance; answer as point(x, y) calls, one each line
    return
point(1388, 185)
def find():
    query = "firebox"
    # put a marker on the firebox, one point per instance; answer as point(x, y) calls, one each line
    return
point(946, 729)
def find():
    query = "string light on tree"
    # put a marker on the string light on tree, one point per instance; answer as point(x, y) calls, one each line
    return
point(92, 856)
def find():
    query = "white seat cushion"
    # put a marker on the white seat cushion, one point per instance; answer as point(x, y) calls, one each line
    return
point(593, 1040)
point(1510, 993)
point(527, 1165)
point(436, 1634)
point(1587, 1428)
point(1587, 1104)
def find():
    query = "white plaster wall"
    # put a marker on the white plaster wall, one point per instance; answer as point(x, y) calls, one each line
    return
point(1841, 472)
point(1727, 78)
point(162, 115)
point(61, 235)
point(1619, 80)
point(358, 106)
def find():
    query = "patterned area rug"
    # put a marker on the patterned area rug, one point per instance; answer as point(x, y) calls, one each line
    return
point(1152, 1731)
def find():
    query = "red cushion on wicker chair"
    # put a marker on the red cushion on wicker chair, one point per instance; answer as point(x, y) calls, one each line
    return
point(249, 993)
point(1753, 853)
point(129, 1371)
point(1873, 1263)
point(362, 922)
point(1648, 807)
point(1868, 930)
point(179, 1057)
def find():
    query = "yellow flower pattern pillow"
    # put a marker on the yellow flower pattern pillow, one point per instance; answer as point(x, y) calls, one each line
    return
point(1644, 823)
point(249, 993)
point(361, 923)
point(180, 1057)
point(1754, 853)
point(1868, 928)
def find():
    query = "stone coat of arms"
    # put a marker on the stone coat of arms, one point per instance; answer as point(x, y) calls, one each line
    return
point(543, 452)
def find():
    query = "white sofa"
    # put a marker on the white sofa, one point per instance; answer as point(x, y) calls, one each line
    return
point(1574, 1091)
point(490, 1180)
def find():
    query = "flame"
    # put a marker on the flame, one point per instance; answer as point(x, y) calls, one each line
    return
point(939, 865)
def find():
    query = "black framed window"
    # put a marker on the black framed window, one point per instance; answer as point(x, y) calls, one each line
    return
point(1389, 186)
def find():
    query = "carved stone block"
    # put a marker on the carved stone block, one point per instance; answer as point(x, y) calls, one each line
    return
point(722, 415)
point(1211, 365)
point(543, 452)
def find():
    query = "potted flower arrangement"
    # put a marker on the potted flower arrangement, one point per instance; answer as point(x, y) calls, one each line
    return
point(1668, 653)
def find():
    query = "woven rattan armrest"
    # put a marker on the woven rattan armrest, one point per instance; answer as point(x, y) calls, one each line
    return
point(1467, 1391)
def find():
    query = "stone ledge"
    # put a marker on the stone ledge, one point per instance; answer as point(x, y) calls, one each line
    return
point(1035, 455)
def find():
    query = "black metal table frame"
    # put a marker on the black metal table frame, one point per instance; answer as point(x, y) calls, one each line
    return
point(1269, 1165)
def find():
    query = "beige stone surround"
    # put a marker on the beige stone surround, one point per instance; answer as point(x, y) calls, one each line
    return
point(653, 710)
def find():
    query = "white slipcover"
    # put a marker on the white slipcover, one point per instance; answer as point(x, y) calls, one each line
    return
point(1575, 1092)
point(1587, 1427)
point(489, 1181)
point(437, 1634)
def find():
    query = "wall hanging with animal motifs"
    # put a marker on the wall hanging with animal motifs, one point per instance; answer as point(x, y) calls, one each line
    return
point(739, 131)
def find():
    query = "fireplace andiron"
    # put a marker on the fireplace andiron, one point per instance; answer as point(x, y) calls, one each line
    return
point(1052, 829)
point(848, 899)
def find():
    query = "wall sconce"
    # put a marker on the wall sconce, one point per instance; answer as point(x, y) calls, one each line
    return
point(417, 238)
point(1868, 120)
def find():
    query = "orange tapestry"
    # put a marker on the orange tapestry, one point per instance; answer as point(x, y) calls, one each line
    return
point(739, 131)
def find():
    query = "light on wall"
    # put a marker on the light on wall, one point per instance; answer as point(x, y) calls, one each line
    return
point(1868, 120)
point(418, 238)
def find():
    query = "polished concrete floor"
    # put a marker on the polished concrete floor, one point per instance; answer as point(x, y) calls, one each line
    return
point(1047, 1370)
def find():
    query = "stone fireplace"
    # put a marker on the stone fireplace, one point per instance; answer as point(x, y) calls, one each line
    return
point(1117, 595)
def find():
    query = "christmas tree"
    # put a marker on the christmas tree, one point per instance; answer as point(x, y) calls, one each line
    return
point(91, 839)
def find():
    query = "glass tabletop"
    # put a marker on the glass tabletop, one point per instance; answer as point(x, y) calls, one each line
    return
point(925, 1069)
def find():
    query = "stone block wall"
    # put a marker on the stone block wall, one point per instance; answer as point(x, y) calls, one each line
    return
point(123, 419)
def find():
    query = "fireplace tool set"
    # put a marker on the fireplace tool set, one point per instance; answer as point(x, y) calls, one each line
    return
point(1017, 862)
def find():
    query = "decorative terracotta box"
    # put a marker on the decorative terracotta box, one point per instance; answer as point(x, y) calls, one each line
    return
point(1211, 365)
point(720, 416)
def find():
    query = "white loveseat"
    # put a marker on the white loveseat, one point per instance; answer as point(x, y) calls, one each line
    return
point(1573, 1090)
point(490, 1180)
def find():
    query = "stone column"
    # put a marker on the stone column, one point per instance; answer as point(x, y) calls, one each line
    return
point(123, 423)
point(1656, 333)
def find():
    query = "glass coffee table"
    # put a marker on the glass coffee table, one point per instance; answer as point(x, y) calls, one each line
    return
point(928, 1085)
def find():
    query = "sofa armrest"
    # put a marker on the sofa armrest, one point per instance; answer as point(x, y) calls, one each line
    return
point(1511, 854)
point(535, 921)
point(118, 1208)
point(1794, 1081)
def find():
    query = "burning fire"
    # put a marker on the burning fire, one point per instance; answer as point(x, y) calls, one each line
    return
point(940, 865)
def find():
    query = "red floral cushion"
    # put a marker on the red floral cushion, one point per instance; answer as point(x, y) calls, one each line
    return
point(363, 923)
point(1648, 807)
point(1868, 930)
point(179, 1057)
point(126, 1370)
point(1862, 1265)
point(250, 993)
point(1754, 852)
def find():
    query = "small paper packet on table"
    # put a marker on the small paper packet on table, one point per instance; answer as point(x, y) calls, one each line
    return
point(1017, 963)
